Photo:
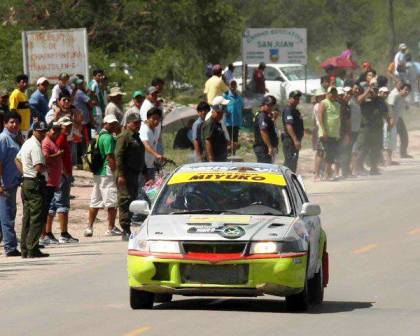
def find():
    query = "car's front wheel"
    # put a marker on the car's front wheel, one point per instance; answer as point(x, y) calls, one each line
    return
point(141, 299)
point(299, 301)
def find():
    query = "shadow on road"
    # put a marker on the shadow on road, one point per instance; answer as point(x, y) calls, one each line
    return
point(260, 306)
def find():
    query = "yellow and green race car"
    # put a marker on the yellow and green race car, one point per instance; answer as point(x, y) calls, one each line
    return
point(229, 229)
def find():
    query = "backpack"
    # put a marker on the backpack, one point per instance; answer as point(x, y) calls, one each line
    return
point(93, 160)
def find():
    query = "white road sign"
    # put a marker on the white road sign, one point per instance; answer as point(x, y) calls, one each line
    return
point(51, 52)
point(274, 45)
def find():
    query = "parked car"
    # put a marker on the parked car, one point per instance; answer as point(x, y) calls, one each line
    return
point(281, 79)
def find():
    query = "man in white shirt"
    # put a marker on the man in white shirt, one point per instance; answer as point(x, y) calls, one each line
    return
point(400, 62)
point(149, 135)
point(31, 162)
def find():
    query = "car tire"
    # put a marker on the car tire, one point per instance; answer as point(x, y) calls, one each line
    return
point(316, 288)
point(163, 298)
point(141, 299)
point(299, 302)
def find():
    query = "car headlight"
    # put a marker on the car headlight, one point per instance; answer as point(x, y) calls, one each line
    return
point(158, 246)
point(288, 246)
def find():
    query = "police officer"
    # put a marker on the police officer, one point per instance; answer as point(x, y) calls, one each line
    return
point(129, 155)
point(265, 135)
point(292, 130)
point(212, 133)
point(31, 162)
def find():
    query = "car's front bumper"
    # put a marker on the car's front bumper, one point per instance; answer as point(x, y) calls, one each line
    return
point(278, 275)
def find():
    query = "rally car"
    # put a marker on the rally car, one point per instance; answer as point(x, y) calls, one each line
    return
point(229, 229)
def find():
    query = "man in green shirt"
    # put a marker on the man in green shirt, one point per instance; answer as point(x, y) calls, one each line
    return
point(104, 193)
point(329, 128)
point(129, 156)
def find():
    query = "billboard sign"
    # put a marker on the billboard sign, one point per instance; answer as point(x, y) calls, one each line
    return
point(274, 45)
point(50, 52)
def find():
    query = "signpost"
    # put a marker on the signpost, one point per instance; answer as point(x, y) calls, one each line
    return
point(47, 53)
point(274, 45)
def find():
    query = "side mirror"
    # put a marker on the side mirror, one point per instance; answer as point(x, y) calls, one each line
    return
point(310, 209)
point(140, 207)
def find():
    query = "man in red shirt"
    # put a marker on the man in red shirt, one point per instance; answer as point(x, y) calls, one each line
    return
point(259, 79)
point(54, 162)
point(60, 203)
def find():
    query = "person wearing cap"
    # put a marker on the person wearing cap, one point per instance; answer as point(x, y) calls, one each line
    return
point(31, 162)
point(213, 136)
point(202, 109)
point(18, 102)
point(266, 139)
point(104, 193)
point(293, 130)
point(61, 86)
point(54, 165)
point(149, 102)
point(233, 116)
point(38, 102)
point(115, 106)
point(60, 203)
point(400, 62)
point(329, 129)
point(129, 157)
point(215, 86)
point(136, 102)
point(10, 179)
point(369, 140)
point(396, 101)
point(258, 80)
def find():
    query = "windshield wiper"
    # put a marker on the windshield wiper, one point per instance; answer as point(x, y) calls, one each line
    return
point(195, 211)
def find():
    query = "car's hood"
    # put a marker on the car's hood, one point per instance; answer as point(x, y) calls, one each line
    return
point(311, 85)
point(211, 227)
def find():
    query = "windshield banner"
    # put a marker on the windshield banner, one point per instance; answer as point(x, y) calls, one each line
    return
point(189, 177)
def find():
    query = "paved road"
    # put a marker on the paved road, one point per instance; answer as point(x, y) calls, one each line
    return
point(374, 244)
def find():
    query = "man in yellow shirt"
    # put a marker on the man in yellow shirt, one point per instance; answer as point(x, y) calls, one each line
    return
point(19, 102)
point(215, 86)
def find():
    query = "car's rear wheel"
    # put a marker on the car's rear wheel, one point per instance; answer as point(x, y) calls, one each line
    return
point(163, 298)
point(300, 301)
point(141, 299)
point(316, 288)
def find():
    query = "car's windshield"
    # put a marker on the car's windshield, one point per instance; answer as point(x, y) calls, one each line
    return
point(244, 198)
point(297, 73)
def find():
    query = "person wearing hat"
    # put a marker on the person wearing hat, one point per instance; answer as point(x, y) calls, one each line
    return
point(31, 162)
point(60, 204)
point(38, 102)
point(63, 85)
point(10, 179)
point(54, 166)
point(129, 157)
point(18, 102)
point(370, 138)
point(215, 86)
point(104, 193)
point(115, 105)
point(329, 129)
point(400, 62)
point(292, 130)
point(266, 140)
point(213, 136)
point(136, 102)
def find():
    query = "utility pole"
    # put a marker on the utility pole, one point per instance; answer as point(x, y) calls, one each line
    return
point(393, 39)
